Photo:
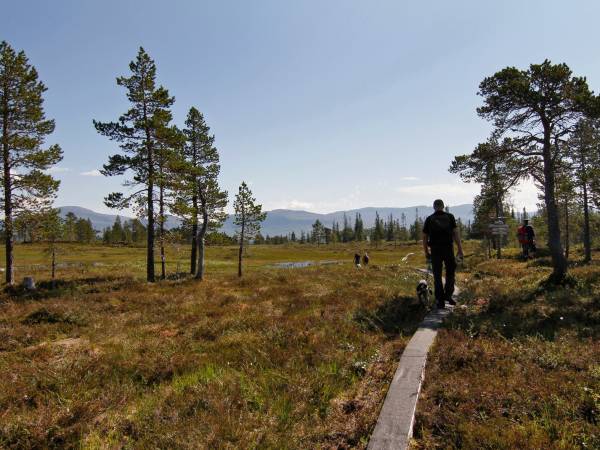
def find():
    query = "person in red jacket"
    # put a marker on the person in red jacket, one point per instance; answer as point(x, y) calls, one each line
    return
point(526, 235)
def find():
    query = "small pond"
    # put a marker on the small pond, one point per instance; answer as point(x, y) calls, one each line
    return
point(301, 264)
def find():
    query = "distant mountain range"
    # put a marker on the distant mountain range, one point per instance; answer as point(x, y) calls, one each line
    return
point(101, 221)
point(284, 221)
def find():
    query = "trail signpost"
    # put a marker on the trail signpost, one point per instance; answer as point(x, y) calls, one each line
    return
point(498, 229)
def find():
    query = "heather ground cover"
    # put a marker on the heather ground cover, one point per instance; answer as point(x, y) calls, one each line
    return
point(283, 358)
point(518, 364)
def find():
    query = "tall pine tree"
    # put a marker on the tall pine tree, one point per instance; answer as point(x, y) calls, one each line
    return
point(25, 185)
point(537, 109)
point(199, 197)
point(136, 132)
point(585, 165)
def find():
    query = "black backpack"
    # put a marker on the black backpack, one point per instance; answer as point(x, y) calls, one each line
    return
point(439, 224)
point(440, 229)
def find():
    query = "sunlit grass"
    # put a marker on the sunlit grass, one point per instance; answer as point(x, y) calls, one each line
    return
point(283, 358)
point(517, 366)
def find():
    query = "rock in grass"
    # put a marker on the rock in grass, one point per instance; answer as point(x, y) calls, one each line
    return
point(29, 283)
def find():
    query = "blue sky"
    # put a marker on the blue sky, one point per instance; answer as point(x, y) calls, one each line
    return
point(319, 105)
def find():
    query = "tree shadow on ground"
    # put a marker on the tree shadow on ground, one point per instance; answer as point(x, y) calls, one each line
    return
point(538, 313)
point(46, 289)
point(399, 315)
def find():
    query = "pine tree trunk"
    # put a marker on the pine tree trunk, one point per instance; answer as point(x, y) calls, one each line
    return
point(241, 249)
point(567, 231)
point(587, 241)
point(53, 266)
point(200, 272)
point(8, 216)
point(201, 236)
point(150, 237)
point(587, 244)
point(150, 195)
point(498, 237)
point(161, 215)
point(194, 252)
point(559, 262)
point(163, 260)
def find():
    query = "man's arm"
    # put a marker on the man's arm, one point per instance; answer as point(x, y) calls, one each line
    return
point(456, 236)
point(425, 246)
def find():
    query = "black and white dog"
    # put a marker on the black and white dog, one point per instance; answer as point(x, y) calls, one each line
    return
point(423, 292)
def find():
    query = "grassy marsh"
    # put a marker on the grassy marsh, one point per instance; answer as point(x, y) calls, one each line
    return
point(283, 358)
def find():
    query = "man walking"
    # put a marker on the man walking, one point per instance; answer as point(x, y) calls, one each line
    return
point(439, 235)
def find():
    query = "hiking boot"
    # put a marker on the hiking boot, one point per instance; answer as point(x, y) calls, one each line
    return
point(451, 302)
point(440, 306)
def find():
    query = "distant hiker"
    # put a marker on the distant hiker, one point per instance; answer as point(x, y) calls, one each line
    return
point(365, 259)
point(526, 235)
point(439, 235)
point(357, 259)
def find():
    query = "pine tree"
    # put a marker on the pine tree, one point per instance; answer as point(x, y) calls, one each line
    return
point(564, 192)
point(389, 229)
point(535, 110)
point(127, 232)
point(347, 233)
point(106, 236)
point(169, 139)
point(248, 217)
point(585, 165)
point(318, 231)
point(84, 231)
point(116, 232)
point(136, 132)
point(25, 185)
point(199, 197)
point(334, 235)
point(359, 229)
point(51, 231)
point(378, 230)
point(70, 227)
point(417, 227)
point(496, 177)
point(138, 231)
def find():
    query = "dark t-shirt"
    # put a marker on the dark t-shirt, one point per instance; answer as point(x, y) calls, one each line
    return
point(439, 228)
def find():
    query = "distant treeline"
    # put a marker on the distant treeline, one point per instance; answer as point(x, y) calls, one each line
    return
point(390, 229)
point(32, 227)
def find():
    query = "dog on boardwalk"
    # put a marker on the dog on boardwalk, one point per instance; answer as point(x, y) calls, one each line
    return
point(423, 292)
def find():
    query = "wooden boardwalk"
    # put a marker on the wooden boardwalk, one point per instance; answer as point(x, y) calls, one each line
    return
point(395, 423)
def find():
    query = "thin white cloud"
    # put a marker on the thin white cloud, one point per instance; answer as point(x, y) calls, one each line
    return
point(57, 169)
point(439, 189)
point(91, 173)
point(452, 193)
point(297, 204)
point(409, 178)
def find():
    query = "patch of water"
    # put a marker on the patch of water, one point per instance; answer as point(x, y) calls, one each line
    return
point(302, 264)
